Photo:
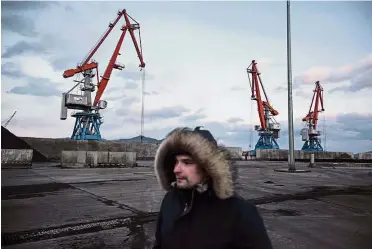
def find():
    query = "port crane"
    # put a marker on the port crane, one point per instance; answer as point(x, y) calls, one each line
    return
point(88, 118)
point(269, 128)
point(310, 134)
point(9, 119)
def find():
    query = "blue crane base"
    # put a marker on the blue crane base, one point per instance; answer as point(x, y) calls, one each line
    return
point(87, 126)
point(312, 145)
point(267, 141)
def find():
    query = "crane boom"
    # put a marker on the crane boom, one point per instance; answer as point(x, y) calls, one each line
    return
point(84, 65)
point(256, 94)
point(314, 114)
point(10, 119)
point(71, 72)
point(106, 76)
point(131, 28)
point(103, 38)
point(112, 63)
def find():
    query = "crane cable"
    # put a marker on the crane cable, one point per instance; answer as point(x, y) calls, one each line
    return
point(250, 117)
point(324, 134)
point(143, 85)
point(251, 112)
point(251, 125)
point(143, 104)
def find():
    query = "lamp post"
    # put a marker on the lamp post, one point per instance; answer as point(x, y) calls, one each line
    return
point(291, 162)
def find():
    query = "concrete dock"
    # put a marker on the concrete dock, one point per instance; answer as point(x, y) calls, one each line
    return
point(51, 207)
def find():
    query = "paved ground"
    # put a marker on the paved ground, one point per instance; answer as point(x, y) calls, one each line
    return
point(50, 207)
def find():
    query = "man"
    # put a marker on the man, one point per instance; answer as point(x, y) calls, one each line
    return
point(200, 209)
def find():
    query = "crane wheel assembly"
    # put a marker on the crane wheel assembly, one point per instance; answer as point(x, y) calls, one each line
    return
point(89, 120)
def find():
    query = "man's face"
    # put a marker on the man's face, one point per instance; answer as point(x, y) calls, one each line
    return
point(187, 172)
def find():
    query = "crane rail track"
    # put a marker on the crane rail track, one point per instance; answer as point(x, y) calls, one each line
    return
point(74, 229)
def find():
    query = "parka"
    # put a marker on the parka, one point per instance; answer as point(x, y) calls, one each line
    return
point(211, 215)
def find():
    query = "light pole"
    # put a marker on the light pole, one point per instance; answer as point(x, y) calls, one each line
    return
point(291, 161)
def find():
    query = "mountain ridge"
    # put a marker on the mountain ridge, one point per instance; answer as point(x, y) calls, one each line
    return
point(137, 139)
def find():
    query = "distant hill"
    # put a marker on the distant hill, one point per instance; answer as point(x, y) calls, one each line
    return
point(138, 139)
point(147, 140)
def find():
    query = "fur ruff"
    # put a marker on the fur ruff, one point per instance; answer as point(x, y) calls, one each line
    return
point(212, 159)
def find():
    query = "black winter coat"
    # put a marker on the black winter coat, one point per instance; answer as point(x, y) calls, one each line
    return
point(210, 215)
point(209, 222)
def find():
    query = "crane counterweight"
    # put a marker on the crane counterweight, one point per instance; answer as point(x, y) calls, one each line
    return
point(89, 119)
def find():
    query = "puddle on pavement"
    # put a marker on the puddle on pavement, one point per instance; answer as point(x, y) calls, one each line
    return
point(109, 202)
point(271, 182)
point(287, 212)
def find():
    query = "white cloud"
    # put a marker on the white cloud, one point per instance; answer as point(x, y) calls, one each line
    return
point(37, 67)
point(189, 64)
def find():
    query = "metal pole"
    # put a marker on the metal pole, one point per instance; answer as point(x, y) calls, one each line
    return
point(291, 160)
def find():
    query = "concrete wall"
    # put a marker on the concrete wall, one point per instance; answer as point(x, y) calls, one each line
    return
point(97, 159)
point(13, 157)
point(365, 156)
point(52, 148)
point(302, 155)
point(236, 152)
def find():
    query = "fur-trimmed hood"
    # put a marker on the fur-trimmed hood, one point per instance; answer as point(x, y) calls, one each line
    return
point(206, 154)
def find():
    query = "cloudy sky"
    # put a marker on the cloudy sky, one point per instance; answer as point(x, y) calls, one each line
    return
point(196, 55)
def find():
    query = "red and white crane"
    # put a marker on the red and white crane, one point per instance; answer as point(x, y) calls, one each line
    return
point(269, 128)
point(88, 121)
point(310, 134)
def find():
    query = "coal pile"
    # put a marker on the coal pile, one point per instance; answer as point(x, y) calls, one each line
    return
point(11, 141)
